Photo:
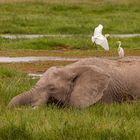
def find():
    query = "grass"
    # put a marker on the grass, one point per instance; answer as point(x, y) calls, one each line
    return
point(60, 43)
point(70, 46)
point(9, 72)
point(116, 121)
point(73, 17)
point(100, 122)
point(30, 67)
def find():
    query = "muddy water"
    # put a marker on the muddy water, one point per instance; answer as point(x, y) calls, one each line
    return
point(63, 35)
point(34, 58)
point(43, 58)
point(51, 58)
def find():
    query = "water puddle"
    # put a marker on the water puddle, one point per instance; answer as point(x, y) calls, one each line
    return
point(62, 35)
point(34, 58)
point(34, 75)
point(125, 35)
point(51, 58)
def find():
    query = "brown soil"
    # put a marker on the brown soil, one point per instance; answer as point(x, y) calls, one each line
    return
point(42, 66)
point(34, 67)
point(67, 53)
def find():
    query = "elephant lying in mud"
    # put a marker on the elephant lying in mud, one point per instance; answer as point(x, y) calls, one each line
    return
point(86, 82)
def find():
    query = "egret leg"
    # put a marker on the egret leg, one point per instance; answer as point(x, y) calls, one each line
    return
point(95, 46)
point(96, 49)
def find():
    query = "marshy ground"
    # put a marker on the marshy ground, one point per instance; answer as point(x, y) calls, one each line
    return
point(116, 121)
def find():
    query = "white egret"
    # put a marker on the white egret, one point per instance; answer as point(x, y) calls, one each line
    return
point(120, 50)
point(99, 39)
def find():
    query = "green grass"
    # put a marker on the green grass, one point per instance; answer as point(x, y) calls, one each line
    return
point(59, 43)
point(99, 122)
point(104, 122)
point(73, 17)
point(9, 73)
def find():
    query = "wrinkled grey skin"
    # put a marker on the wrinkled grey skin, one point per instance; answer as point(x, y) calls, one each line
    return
point(85, 82)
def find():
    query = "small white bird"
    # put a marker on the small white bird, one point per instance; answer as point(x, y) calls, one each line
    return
point(99, 38)
point(120, 50)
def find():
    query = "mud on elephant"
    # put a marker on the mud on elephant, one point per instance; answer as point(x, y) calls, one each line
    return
point(84, 83)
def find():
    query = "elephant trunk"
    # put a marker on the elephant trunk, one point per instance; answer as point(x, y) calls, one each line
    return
point(22, 99)
point(33, 97)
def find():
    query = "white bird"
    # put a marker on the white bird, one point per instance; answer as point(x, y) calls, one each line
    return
point(120, 50)
point(99, 38)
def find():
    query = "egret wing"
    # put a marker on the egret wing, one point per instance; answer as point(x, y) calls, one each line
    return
point(92, 39)
point(102, 41)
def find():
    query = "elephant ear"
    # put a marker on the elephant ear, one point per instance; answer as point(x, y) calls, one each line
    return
point(89, 85)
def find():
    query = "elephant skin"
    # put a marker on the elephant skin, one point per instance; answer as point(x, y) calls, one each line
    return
point(84, 83)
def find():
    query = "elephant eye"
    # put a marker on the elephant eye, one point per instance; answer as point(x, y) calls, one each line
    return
point(51, 87)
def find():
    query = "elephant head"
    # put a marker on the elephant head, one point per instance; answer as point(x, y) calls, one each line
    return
point(79, 86)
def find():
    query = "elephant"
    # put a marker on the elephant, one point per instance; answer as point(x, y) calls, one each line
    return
point(85, 82)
